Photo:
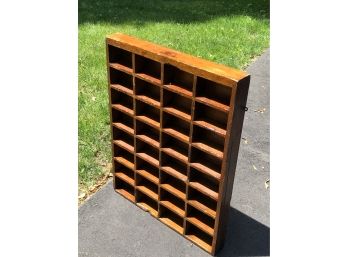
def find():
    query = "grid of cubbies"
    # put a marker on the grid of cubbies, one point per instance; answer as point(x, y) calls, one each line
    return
point(169, 130)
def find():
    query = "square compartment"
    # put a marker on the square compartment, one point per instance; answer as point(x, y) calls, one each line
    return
point(124, 173)
point(175, 148)
point(120, 56)
point(147, 203)
point(148, 114)
point(124, 189)
point(215, 94)
point(176, 127)
point(147, 92)
point(121, 78)
point(146, 186)
point(172, 202)
point(201, 220)
point(199, 237)
point(147, 152)
point(202, 202)
point(122, 121)
point(213, 118)
point(118, 97)
point(204, 183)
point(146, 68)
point(123, 157)
point(208, 164)
point(177, 105)
point(173, 185)
point(147, 133)
point(171, 219)
point(173, 167)
point(178, 81)
point(147, 170)
point(208, 141)
point(121, 136)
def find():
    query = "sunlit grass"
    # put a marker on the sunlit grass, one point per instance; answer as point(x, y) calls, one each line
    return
point(227, 32)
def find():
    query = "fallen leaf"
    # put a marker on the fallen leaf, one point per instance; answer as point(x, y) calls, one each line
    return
point(82, 195)
point(93, 98)
point(254, 167)
point(267, 184)
point(245, 140)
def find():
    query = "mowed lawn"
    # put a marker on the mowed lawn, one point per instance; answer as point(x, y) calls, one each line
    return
point(228, 32)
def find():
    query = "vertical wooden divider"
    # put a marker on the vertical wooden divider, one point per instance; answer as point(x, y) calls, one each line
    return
point(184, 160)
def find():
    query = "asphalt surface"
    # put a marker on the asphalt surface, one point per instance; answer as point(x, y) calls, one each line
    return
point(111, 226)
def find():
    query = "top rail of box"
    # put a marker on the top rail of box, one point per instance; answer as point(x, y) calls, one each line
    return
point(200, 67)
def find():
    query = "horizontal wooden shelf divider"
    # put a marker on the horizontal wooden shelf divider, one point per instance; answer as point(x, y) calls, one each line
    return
point(176, 123)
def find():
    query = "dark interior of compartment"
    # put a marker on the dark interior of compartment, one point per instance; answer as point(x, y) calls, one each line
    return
point(176, 101)
point(174, 182)
point(143, 165)
point(120, 184)
point(205, 159)
point(119, 77)
point(118, 97)
point(143, 198)
point(166, 196)
point(170, 121)
point(193, 212)
point(175, 76)
point(147, 66)
point(121, 168)
point(210, 115)
point(193, 230)
point(194, 194)
point(173, 163)
point(147, 89)
point(147, 110)
point(118, 116)
point(203, 179)
point(144, 129)
point(166, 213)
point(143, 147)
point(205, 136)
point(175, 144)
point(118, 55)
point(120, 152)
point(141, 181)
point(121, 135)
point(213, 90)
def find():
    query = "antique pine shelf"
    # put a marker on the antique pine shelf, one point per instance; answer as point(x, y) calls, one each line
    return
point(176, 123)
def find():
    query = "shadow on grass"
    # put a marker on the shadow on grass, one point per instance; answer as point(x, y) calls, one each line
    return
point(139, 12)
point(245, 237)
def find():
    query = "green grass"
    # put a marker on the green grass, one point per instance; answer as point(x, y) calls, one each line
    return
point(227, 32)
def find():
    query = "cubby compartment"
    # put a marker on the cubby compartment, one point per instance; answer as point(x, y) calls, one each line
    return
point(120, 59)
point(124, 173)
point(178, 81)
point(147, 170)
point(208, 141)
point(124, 157)
point(122, 121)
point(121, 81)
point(177, 105)
point(123, 140)
point(148, 114)
point(204, 183)
point(206, 163)
point(171, 219)
point(147, 92)
point(210, 118)
point(146, 186)
point(200, 220)
point(147, 152)
point(213, 94)
point(175, 148)
point(147, 134)
point(199, 237)
point(147, 203)
point(176, 127)
point(173, 185)
point(148, 69)
point(172, 202)
point(173, 167)
point(202, 202)
point(124, 189)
